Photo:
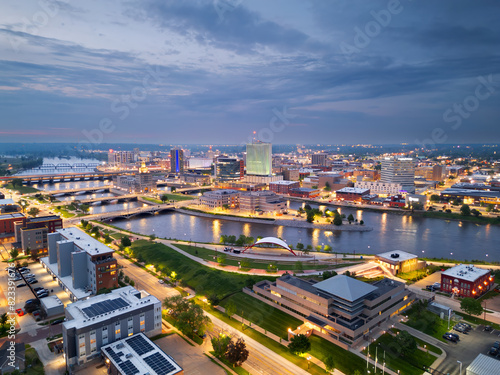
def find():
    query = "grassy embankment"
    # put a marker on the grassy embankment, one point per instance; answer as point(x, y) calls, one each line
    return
point(207, 281)
point(209, 255)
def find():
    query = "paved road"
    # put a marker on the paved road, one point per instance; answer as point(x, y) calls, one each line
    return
point(144, 280)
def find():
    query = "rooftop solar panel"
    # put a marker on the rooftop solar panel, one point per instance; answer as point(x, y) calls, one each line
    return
point(104, 307)
point(139, 345)
point(128, 368)
point(159, 364)
point(113, 355)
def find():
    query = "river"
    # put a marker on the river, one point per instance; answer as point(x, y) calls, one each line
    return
point(391, 231)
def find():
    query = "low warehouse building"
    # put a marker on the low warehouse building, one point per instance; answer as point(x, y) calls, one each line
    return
point(399, 261)
point(52, 306)
point(484, 365)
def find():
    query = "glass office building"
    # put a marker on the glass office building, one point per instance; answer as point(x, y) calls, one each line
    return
point(229, 169)
point(176, 161)
point(259, 159)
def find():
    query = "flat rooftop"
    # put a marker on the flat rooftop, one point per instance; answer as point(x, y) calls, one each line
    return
point(51, 301)
point(67, 281)
point(4, 202)
point(397, 256)
point(107, 305)
point(43, 218)
point(284, 182)
point(84, 241)
point(345, 287)
point(11, 216)
point(353, 190)
point(466, 272)
point(139, 355)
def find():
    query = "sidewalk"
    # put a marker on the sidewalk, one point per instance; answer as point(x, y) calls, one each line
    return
point(427, 338)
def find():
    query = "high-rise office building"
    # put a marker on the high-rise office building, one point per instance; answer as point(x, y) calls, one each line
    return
point(259, 159)
point(177, 161)
point(120, 158)
point(229, 169)
point(399, 171)
point(318, 159)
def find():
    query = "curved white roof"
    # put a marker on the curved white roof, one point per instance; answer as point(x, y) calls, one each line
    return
point(273, 240)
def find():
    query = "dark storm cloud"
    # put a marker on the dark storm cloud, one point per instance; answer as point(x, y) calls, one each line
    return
point(230, 72)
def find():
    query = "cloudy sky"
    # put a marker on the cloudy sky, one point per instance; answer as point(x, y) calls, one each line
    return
point(309, 71)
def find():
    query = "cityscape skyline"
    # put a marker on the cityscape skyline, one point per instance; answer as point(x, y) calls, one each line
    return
point(383, 73)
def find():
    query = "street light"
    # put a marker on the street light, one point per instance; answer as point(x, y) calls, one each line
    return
point(460, 367)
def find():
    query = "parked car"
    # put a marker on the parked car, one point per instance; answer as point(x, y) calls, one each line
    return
point(487, 328)
point(43, 295)
point(29, 275)
point(32, 301)
point(21, 285)
point(38, 288)
point(161, 281)
point(58, 321)
point(18, 278)
point(43, 291)
point(19, 312)
point(496, 345)
point(493, 351)
point(33, 281)
point(451, 337)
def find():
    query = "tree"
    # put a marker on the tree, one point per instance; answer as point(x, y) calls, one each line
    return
point(152, 237)
point(337, 220)
point(245, 263)
point(406, 343)
point(307, 207)
point(164, 197)
point(84, 208)
point(309, 248)
point(173, 276)
point(33, 253)
point(14, 253)
point(350, 218)
point(16, 182)
point(357, 372)
point(329, 363)
point(475, 212)
point(33, 211)
point(300, 246)
point(84, 223)
point(107, 238)
point(223, 239)
point(361, 222)
point(237, 352)
point(435, 198)
point(465, 210)
point(327, 274)
point(230, 309)
point(125, 241)
point(272, 267)
point(221, 259)
point(225, 207)
point(471, 306)
point(310, 216)
point(327, 186)
point(220, 343)
point(189, 317)
point(299, 344)
point(489, 207)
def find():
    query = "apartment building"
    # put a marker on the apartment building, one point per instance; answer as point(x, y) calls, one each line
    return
point(262, 201)
point(81, 264)
point(106, 318)
point(379, 187)
point(31, 233)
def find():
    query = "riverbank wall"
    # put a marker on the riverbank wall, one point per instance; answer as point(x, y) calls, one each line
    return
point(281, 222)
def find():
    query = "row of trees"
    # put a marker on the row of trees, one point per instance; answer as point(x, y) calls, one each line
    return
point(242, 240)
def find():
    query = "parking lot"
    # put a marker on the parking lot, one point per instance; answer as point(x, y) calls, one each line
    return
point(466, 350)
point(24, 293)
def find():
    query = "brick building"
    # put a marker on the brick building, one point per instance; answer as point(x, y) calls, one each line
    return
point(352, 194)
point(465, 280)
point(283, 186)
point(7, 222)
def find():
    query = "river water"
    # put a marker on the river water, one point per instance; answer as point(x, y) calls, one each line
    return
point(422, 236)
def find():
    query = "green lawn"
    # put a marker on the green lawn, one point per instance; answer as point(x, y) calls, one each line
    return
point(262, 314)
point(203, 279)
point(177, 197)
point(25, 189)
point(421, 343)
point(33, 360)
point(423, 320)
point(209, 255)
point(412, 364)
point(238, 370)
point(345, 361)
point(63, 211)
